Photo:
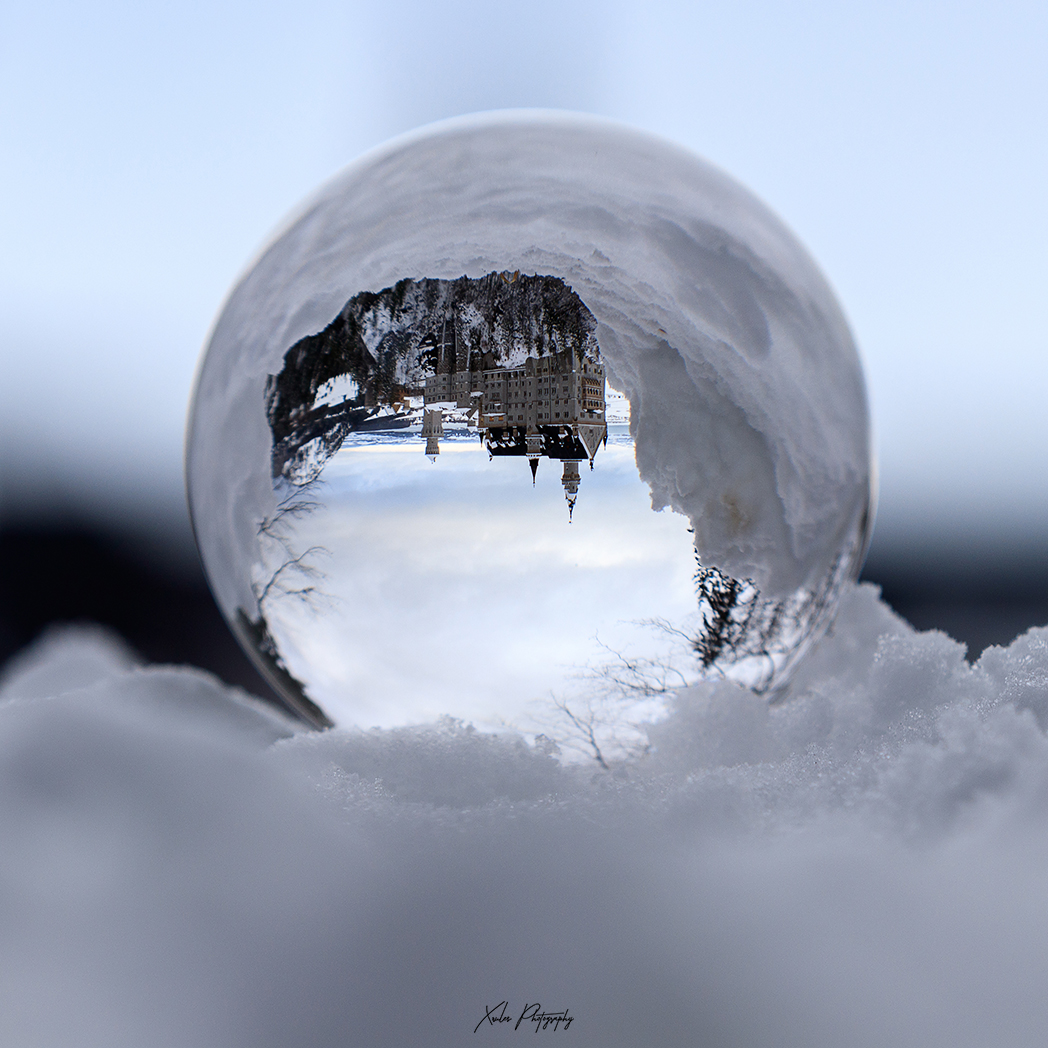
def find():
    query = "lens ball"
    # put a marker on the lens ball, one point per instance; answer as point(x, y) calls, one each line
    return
point(528, 419)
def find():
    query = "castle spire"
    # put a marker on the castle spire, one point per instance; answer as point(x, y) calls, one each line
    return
point(533, 447)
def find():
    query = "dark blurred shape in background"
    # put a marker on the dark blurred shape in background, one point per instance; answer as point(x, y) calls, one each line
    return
point(151, 590)
point(981, 593)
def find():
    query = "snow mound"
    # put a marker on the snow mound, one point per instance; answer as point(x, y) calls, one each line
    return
point(863, 862)
point(65, 658)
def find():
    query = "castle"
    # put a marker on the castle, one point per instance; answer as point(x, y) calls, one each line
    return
point(551, 406)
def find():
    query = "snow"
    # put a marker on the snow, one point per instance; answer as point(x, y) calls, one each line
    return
point(864, 862)
point(335, 391)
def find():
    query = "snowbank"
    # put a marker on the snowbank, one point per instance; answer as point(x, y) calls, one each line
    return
point(863, 863)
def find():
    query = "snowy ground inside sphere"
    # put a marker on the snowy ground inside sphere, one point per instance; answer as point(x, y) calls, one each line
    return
point(862, 863)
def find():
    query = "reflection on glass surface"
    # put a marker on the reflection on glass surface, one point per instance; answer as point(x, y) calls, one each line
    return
point(513, 356)
point(613, 442)
point(407, 442)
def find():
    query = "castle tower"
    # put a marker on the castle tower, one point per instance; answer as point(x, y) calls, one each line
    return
point(433, 430)
point(570, 480)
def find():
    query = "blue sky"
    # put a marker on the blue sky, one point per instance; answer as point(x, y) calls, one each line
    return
point(149, 151)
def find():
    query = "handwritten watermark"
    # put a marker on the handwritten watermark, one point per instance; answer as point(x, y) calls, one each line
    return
point(533, 1013)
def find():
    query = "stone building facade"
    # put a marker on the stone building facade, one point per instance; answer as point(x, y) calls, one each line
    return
point(551, 406)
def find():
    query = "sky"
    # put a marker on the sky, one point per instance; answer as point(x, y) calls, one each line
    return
point(446, 621)
point(151, 151)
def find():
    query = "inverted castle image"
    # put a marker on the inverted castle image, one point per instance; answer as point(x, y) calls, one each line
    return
point(513, 355)
point(550, 406)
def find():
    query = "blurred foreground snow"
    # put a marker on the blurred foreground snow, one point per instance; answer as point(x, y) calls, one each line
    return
point(865, 863)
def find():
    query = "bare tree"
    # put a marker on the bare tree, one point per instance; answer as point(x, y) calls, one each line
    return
point(605, 717)
point(599, 726)
point(585, 726)
point(738, 633)
point(296, 574)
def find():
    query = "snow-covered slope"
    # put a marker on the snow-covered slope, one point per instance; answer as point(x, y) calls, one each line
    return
point(864, 863)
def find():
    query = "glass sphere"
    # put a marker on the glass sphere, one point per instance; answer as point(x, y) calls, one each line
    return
point(528, 416)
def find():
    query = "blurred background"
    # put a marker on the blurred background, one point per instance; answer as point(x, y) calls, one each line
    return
point(150, 150)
